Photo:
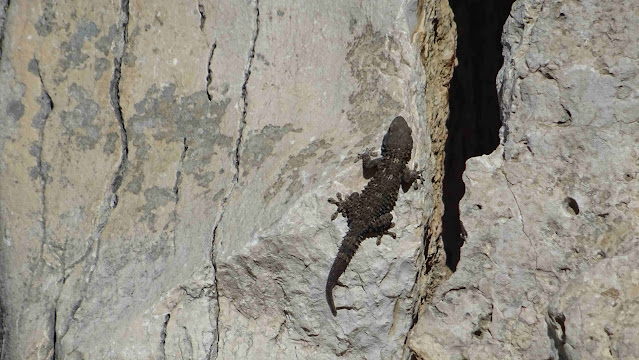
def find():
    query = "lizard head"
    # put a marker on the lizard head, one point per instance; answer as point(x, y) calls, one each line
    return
point(398, 141)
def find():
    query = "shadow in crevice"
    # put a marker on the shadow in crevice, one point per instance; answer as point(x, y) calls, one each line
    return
point(474, 121)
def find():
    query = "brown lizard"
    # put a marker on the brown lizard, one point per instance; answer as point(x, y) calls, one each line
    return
point(368, 213)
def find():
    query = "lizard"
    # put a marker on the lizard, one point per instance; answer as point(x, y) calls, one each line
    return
point(368, 214)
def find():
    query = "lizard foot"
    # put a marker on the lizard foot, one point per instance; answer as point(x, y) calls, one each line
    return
point(366, 155)
point(411, 178)
point(386, 232)
point(419, 177)
point(337, 202)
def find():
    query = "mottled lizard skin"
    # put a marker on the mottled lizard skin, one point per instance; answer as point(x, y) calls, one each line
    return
point(368, 213)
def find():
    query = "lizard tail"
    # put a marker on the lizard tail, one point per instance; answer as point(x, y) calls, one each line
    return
point(329, 297)
point(343, 258)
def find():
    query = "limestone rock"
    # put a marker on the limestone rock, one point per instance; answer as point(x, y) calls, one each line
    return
point(596, 316)
point(556, 198)
point(164, 170)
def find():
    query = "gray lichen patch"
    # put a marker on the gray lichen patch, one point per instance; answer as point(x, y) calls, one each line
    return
point(80, 123)
point(135, 185)
point(218, 195)
point(370, 62)
point(32, 67)
point(101, 65)
point(111, 141)
point(35, 172)
point(169, 118)
point(327, 156)
point(15, 109)
point(103, 44)
point(203, 179)
point(46, 106)
point(293, 171)
point(46, 21)
point(260, 144)
point(155, 197)
point(72, 49)
point(11, 106)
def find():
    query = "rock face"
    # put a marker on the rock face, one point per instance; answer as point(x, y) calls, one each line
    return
point(164, 174)
point(165, 166)
point(546, 270)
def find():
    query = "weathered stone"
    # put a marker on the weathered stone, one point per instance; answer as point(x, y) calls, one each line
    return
point(275, 242)
point(596, 315)
point(164, 170)
point(556, 198)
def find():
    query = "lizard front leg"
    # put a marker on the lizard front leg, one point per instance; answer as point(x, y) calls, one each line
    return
point(409, 177)
point(369, 165)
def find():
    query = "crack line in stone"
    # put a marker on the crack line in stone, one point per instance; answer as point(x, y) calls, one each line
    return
point(46, 107)
point(3, 27)
point(178, 173)
point(242, 124)
point(209, 72)
point(200, 9)
point(167, 317)
point(247, 75)
point(110, 200)
point(176, 191)
point(523, 226)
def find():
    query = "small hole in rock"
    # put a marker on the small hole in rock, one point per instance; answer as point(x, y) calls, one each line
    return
point(571, 206)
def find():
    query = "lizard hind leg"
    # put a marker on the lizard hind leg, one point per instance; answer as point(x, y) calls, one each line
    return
point(381, 227)
point(344, 205)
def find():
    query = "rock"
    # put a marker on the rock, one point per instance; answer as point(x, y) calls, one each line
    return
point(556, 198)
point(165, 166)
point(164, 171)
point(595, 316)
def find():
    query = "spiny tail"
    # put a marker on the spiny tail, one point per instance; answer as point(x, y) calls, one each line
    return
point(343, 258)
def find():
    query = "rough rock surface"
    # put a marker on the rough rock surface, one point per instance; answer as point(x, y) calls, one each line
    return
point(551, 215)
point(164, 170)
point(596, 316)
